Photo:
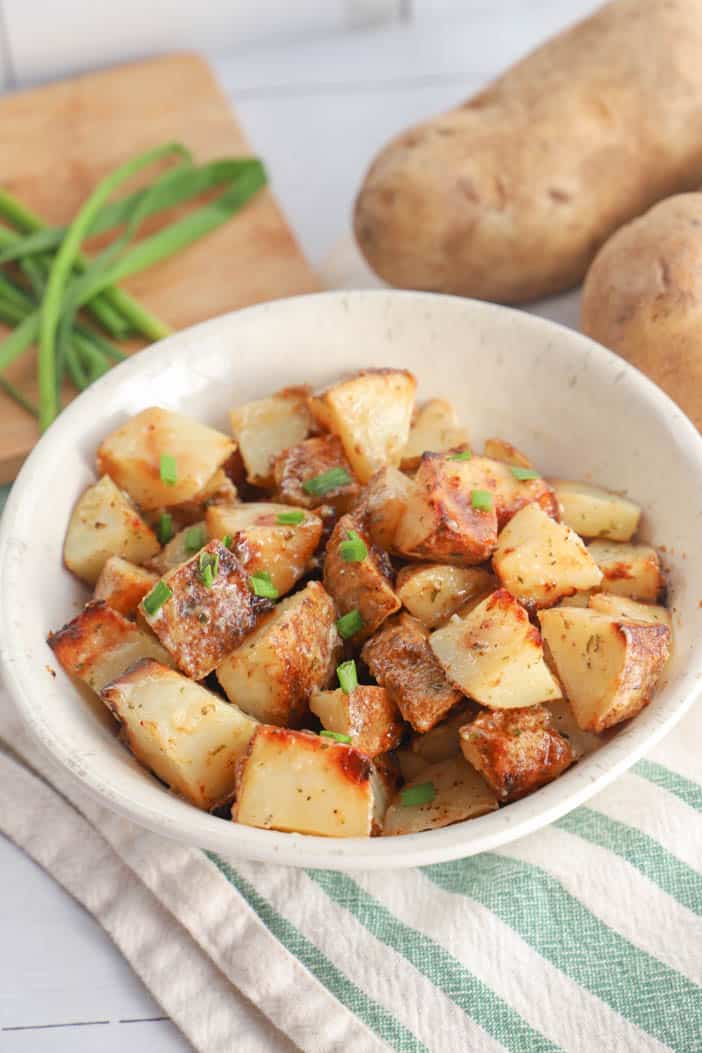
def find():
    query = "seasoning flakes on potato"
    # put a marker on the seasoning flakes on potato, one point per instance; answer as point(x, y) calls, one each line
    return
point(409, 688)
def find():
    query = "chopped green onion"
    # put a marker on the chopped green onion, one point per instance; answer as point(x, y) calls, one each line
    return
point(165, 527)
point(354, 549)
point(262, 585)
point(227, 540)
point(332, 479)
point(195, 538)
point(292, 518)
point(348, 624)
point(464, 455)
point(422, 793)
point(157, 597)
point(208, 566)
point(481, 500)
point(336, 735)
point(168, 469)
point(523, 473)
point(348, 678)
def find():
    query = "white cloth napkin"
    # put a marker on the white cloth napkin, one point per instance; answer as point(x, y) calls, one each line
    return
point(585, 937)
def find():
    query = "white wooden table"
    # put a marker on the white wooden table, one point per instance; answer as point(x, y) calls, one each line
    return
point(317, 112)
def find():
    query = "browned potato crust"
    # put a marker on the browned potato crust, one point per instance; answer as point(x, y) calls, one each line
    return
point(515, 750)
point(123, 585)
point(509, 196)
point(368, 715)
point(200, 625)
point(400, 659)
point(364, 586)
point(305, 461)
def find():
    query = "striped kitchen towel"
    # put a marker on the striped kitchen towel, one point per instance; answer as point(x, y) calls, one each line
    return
point(585, 937)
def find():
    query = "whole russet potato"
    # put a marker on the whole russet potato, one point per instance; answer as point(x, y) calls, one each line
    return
point(643, 297)
point(509, 196)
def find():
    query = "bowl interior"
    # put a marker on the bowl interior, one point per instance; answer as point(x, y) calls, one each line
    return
point(579, 411)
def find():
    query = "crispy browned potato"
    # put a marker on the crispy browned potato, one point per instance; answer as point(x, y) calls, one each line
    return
point(400, 659)
point(181, 547)
point(494, 655)
point(509, 493)
point(508, 196)
point(362, 585)
point(301, 479)
point(105, 523)
point(367, 715)
point(291, 654)
point(199, 623)
point(608, 667)
point(99, 644)
point(440, 522)
point(435, 428)
point(515, 750)
point(442, 741)
point(382, 504)
point(629, 570)
point(630, 610)
point(187, 736)
point(122, 585)
point(371, 413)
point(457, 792)
point(132, 456)
point(432, 592)
point(297, 781)
point(539, 560)
point(266, 427)
point(501, 450)
point(266, 541)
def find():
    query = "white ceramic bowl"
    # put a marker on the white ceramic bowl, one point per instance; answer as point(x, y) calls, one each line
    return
point(576, 408)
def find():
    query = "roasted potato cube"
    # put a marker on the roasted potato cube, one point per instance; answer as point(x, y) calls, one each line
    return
point(367, 715)
point(207, 613)
point(563, 720)
point(501, 450)
point(629, 570)
point(494, 655)
point(442, 741)
point(133, 456)
point(440, 522)
point(539, 560)
point(181, 547)
point(432, 592)
point(411, 764)
point(578, 599)
point(296, 781)
point(190, 738)
point(290, 655)
point(515, 750)
point(302, 479)
point(264, 544)
point(593, 512)
point(363, 585)
point(266, 427)
point(105, 523)
point(99, 644)
point(371, 413)
point(509, 492)
point(122, 585)
point(400, 659)
point(434, 428)
point(629, 610)
point(608, 667)
point(457, 793)
point(382, 504)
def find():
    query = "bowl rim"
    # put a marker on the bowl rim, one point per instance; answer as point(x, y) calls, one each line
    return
point(233, 841)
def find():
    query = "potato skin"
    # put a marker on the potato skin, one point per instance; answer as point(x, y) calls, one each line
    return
point(508, 196)
point(643, 298)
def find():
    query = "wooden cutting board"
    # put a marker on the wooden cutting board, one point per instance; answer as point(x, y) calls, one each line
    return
point(57, 141)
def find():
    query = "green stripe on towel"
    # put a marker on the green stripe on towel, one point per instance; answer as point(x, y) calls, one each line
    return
point(688, 791)
point(387, 1027)
point(642, 989)
point(476, 999)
